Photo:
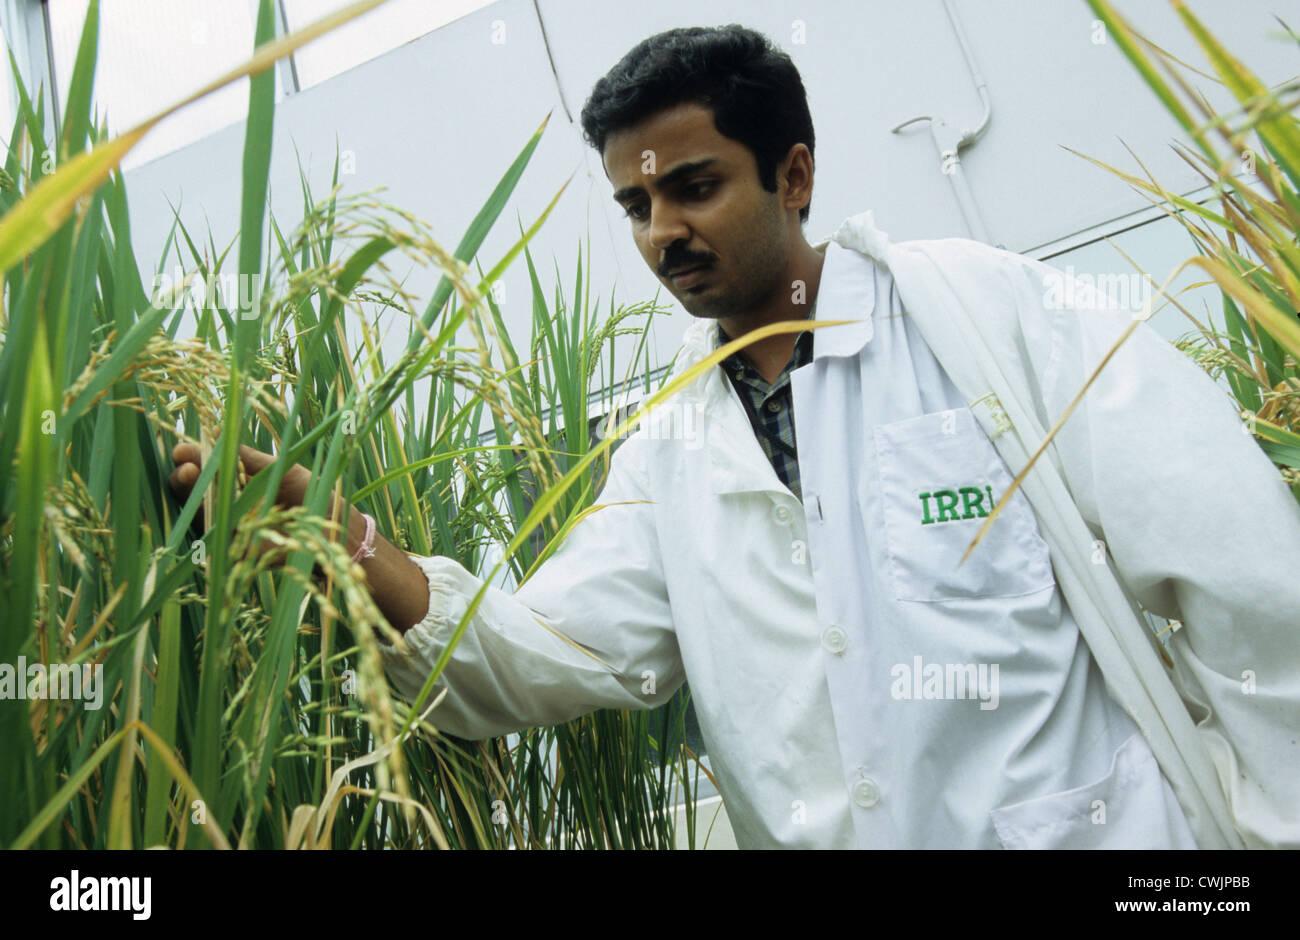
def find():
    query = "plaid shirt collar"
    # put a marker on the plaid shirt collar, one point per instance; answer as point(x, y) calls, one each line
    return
point(770, 407)
point(737, 366)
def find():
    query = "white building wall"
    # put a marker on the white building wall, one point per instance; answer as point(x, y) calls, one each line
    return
point(438, 120)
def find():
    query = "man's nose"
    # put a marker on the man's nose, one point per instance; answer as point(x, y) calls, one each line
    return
point(666, 227)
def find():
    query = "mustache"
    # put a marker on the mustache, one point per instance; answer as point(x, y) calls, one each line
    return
point(678, 263)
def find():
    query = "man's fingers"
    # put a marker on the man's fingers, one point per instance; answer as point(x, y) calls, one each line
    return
point(183, 477)
point(255, 460)
point(182, 480)
point(188, 464)
point(185, 452)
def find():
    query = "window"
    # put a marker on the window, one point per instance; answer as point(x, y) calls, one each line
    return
point(152, 53)
point(392, 24)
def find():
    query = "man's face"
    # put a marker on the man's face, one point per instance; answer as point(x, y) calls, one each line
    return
point(693, 198)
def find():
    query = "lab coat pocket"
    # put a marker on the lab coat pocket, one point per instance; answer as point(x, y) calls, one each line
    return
point(1132, 807)
point(937, 478)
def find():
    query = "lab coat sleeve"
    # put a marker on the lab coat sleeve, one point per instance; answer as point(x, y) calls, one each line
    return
point(1201, 529)
point(592, 628)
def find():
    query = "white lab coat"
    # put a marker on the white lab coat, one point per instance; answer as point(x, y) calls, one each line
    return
point(810, 631)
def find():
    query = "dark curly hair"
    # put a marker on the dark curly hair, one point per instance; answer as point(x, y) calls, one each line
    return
point(752, 87)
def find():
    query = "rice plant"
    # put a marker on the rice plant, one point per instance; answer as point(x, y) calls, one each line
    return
point(1251, 248)
point(241, 698)
point(1256, 262)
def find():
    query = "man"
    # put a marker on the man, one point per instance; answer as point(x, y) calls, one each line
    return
point(855, 686)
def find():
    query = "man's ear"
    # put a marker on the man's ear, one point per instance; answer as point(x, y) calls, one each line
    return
point(798, 164)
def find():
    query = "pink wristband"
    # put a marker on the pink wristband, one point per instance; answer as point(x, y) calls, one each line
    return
point(367, 549)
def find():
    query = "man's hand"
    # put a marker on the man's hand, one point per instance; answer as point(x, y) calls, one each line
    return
point(293, 485)
point(397, 584)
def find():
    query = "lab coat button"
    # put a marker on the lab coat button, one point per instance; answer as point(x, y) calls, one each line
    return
point(865, 793)
point(781, 514)
point(834, 639)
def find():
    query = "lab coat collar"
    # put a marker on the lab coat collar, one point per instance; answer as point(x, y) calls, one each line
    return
point(846, 291)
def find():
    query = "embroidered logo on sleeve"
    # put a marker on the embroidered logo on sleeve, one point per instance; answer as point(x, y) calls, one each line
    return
point(954, 505)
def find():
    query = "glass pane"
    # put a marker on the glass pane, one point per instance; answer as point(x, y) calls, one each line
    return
point(368, 36)
point(151, 54)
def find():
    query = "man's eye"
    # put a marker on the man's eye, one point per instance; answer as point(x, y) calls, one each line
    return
point(701, 188)
point(632, 212)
